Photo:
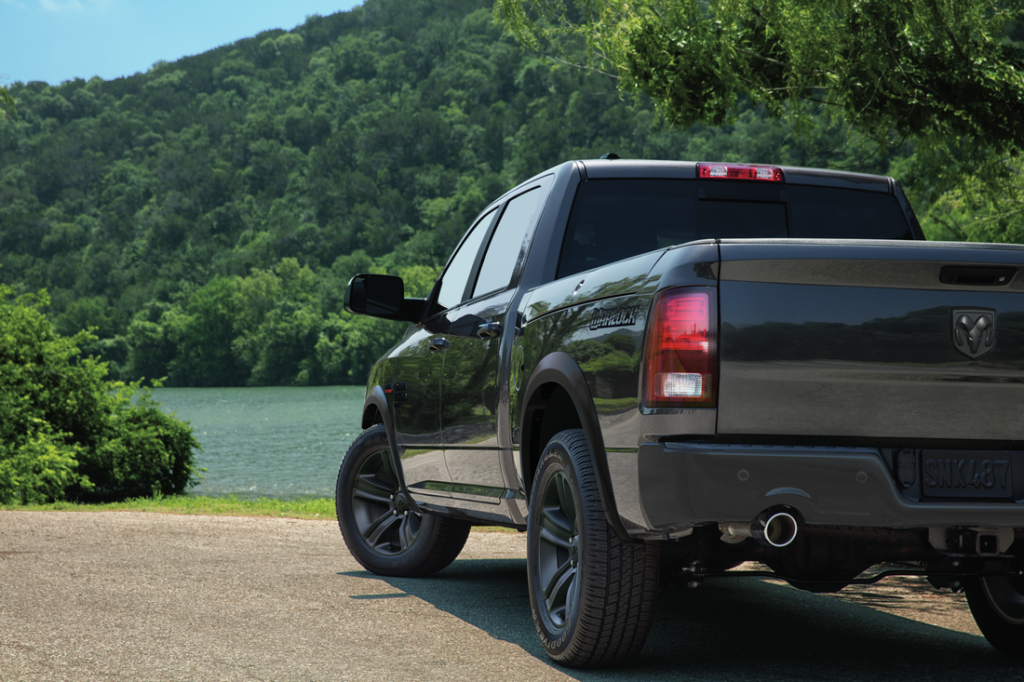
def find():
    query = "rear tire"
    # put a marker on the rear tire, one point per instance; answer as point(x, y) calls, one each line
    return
point(997, 604)
point(592, 595)
point(383, 529)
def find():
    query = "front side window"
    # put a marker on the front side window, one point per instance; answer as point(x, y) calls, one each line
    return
point(456, 277)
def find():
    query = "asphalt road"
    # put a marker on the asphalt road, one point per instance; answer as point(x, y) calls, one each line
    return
point(133, 596)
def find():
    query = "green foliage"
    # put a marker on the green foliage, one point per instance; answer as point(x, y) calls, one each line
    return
point(66, 431)
point(948, 76)
point(142, 450)
point(984, 206)
point(923, 69)
point(7, 104)
point(205, 217)
point(39, 468)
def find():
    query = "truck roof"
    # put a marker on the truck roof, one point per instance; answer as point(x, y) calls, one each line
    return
point(687, 170)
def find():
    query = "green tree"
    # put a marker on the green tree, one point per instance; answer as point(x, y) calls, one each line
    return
point(159, 209)
point(931, 70)
point(948, 76)
point(7, 105)
point(202, 334)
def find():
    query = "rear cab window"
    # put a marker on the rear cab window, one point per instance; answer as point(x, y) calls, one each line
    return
point(614, 219)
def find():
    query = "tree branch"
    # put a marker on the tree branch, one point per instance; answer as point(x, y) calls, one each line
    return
point(585, 67)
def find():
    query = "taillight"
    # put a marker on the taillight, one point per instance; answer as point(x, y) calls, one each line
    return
point(680, 360)
point(738, 171)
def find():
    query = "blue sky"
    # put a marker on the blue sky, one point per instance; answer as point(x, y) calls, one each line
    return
point(57, 40)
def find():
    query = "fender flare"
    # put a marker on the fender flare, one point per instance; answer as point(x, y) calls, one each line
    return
point(376, 397)
point(561, 369)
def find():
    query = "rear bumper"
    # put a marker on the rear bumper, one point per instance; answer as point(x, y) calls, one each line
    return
point(679, 485)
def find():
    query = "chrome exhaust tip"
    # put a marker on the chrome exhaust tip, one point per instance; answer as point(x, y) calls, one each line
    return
point(775, 530)
point(780, 529)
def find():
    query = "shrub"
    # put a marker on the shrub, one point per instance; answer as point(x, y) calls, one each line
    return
point(67, 431)
point(142, 452)
point(39, 469)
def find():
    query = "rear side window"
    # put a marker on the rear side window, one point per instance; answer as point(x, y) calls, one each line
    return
point(506, 244)
point(616, 219)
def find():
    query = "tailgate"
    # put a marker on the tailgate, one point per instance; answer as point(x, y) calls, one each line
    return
point(875, 339)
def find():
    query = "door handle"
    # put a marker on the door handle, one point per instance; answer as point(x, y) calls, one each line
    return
point(440, 343)
point(489, 330)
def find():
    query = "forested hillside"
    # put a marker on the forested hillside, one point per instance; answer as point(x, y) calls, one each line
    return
point(205, 216)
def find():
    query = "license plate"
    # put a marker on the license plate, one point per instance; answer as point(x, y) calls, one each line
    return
point(948, 473)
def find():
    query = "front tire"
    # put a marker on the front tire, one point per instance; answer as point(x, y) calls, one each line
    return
point(997, 604)
point(592, 595)
point(382, 528)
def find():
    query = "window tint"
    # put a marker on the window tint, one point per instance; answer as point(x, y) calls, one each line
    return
point(456, 277)
point(503, 251)
point(741, 219)
point(824, 213)
point(616, 219)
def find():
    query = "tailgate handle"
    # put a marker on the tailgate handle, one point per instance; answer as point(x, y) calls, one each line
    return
point(977, 275)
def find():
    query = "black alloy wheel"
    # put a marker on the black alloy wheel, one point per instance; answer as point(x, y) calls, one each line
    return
point(592, 594)
point(997, 604)
point(558, 550)
point(386, 520)
point(381, 525)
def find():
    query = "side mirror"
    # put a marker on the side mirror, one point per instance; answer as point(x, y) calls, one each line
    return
point(382, 296)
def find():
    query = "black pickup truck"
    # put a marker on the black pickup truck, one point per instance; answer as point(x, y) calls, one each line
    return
point(662, 370)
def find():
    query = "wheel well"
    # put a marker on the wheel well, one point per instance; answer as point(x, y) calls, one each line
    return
point(371, 416)
point(549, 411)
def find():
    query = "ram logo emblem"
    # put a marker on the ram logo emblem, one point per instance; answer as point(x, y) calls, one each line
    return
point(974, 331)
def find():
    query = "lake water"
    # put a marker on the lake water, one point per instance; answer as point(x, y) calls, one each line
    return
point(270, 442)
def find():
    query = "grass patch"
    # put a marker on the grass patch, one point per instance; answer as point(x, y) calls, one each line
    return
point(301, 508)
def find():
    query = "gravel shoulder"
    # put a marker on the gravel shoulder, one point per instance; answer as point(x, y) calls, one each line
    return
point(141, 596)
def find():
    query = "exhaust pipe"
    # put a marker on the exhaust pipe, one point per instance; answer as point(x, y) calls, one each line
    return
point(775, 530)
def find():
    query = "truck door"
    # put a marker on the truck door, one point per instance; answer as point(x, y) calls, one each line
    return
point(416, 390)
point(473, 390)
point(416, 400)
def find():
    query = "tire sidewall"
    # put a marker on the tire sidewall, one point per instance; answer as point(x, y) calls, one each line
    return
point(556, 640)
point(1006, 637)
point(370, 442)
